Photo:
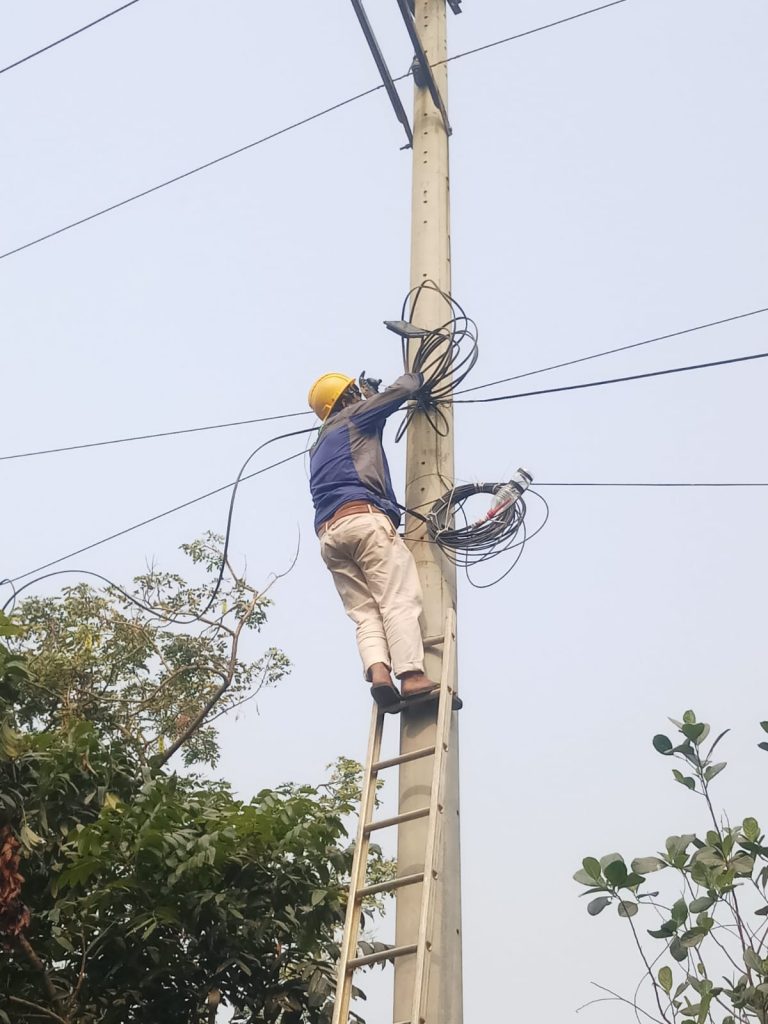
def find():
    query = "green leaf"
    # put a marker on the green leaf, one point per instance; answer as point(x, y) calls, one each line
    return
point(753, 961)
point(743, 865)
point(709, 858)
point(633, 880)
point(597, 906)
point(592, 867)
point(645, 865)
point(678, 844)
point(693, 732)
point(666, 931)
point(701, 904)
point(610, 858)
point(665, 979)
point(583, 878)
point(684, 780)
point(751, 829)
point(318, 896)
point(689, 718)
point(692, 937)
point(677, 950)
point(662, 743)
point(764, 726)
point(679, 911)
point(627, 908)
point(714, 770)
point(762, 912)
point(616, 872)
point(763, 746)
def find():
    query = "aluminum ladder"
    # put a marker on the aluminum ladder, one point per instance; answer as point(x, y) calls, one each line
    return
point(358, 890)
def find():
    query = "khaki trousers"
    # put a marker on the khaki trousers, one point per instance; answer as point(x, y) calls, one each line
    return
point(376, 578)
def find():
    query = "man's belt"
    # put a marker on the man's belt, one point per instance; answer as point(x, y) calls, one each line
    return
point(350, 508)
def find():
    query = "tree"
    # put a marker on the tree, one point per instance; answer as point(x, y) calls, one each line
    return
point(710, 919)
point(129, 892)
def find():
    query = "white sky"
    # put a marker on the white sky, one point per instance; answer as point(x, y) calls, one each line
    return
point(608, 185)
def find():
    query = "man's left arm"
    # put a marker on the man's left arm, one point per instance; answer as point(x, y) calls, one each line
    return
point(374, 411)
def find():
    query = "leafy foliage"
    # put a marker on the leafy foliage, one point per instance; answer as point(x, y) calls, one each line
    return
point(155, 895)
point(95, 656)
point(716, 884)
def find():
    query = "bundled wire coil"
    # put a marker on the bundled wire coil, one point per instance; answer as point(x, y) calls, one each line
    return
point(445, 356)
point(471, 543)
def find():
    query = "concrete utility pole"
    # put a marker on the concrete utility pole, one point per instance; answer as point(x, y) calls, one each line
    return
point(429, 474)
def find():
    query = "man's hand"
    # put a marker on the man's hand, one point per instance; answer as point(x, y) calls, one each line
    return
point(368, 385)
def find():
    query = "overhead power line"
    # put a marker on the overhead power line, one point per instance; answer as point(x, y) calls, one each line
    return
point(612, 380)
point(71, 35)
point(529, 32)
point(279, 132)
point(496, 398)
point(612, 351)
point(289, 415)
point(149, 437)
point(688, 483)
point(153, 519)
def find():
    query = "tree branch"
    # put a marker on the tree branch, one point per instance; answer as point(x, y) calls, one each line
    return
point(229, 676)
point(35, 1006)
point(38, 965)
point(621, 999)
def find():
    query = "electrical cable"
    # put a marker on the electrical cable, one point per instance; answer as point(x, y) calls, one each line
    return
point(188, 174)
point(149, 437)
point(464, 391)
point(276, 134)
point(217, 586)
point(602, 483)
point(613, 380)
point(612, 351)
point(528, 32)
point(500, 530)
point(444, 356)
point(71, 35)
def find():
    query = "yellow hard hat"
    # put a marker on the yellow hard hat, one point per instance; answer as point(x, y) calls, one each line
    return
point(326, 391)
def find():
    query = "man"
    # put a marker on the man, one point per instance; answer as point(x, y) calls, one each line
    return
point(356, 519)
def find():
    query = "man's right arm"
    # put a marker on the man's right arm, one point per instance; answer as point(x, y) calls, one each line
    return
point(374, 411)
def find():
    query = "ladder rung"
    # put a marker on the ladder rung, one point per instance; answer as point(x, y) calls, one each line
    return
point(398, 819)
point(414, 755)
point(383, 954)
point(393, 883)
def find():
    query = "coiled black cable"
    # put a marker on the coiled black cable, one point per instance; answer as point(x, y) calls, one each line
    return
point(445, 356)
point(484, 538)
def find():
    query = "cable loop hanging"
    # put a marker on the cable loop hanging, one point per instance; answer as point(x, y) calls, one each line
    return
point(445, 356)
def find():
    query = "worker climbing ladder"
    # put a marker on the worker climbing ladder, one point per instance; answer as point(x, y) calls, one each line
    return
point(429, 877)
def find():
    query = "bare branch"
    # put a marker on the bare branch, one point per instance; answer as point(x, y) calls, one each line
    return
point(34, 1006)
point(614, 996)
point(228, 678)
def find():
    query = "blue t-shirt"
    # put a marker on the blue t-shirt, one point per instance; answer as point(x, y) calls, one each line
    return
point(348, 461)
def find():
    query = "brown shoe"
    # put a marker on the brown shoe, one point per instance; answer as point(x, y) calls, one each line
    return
point(416, 684)
point(418, 687)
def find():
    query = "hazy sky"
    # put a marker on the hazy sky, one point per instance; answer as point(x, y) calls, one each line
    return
point(608, 186)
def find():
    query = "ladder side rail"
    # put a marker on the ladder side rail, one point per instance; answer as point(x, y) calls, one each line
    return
point(358, 873)
point(424, 939)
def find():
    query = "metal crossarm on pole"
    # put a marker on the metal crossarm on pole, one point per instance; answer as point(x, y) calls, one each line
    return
point(422, 944)
point(381, 64)
point(422, 71)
